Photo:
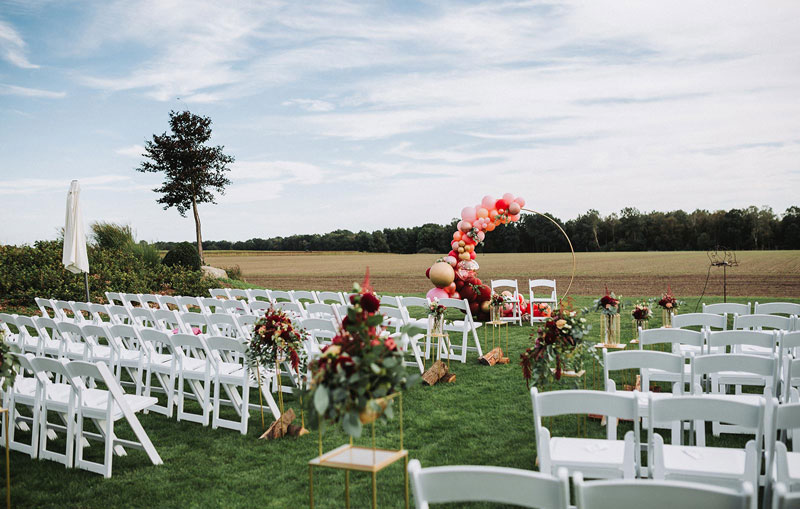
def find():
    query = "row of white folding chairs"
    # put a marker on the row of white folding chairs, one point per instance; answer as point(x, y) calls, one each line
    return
point(274, 296)
point(614, 458)
point(524, 488)
point(70, 390)
point(766, 308)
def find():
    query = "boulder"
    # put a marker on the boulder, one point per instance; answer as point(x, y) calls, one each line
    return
point(216, 272)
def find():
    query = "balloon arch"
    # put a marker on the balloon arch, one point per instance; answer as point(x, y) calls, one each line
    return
point(456, 275)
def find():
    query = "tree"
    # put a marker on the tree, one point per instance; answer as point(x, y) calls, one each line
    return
point(192, 170)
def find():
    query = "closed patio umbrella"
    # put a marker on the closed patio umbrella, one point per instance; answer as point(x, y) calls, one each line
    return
point(75, 258)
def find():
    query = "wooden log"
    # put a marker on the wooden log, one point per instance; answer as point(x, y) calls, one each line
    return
point(448, 378)
point(504, 360)
point(280, 427)
point(492, 357)
point(435, 372)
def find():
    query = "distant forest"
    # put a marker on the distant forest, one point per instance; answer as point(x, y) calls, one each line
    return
point(630, 230)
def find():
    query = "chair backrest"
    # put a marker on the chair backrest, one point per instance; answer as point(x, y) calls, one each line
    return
point(790, 339)
point(331, 297)
point(319, 324)
point(185, 344)
point(467, 483)
point(211, 304)
point(460, 304)
point(226, 349)
point(71, 332)
point(390, 301)
point(688, 408)
point(706, 321)
point(223, 325)
point(549, 296)
point(125, 336)
point(291, 308)
point(26, 326)
point(45, 365)
point(657, 494)
point(742, 337)
point(131, 300)
point(280, 296)
point(777, 308)
point(46, 327)
point(119, 314)
point(303, 295)
point(96, 334)
point(622, 405)
point(154, 338)
point(142, 317)
point(186, 304)
point(759, 321)
point(83, 312)
point(257, 294)
point(150, 301)
point(393, 316)
point(238, 293)
point(318, 310)
point(729, 308)
point(219, 293)
point(505, 283)
point(671, 336)
point(787, 416)
point(246, 324)
point(259, 307)
point(65, 309)
point(194, 321)
point(760, 365)
point(7, 319)
point(99, 312)
point(47, 308)
point(642, 360)
point(167, 321)
point(114, 299)
point(236, 307)
point(169, 302)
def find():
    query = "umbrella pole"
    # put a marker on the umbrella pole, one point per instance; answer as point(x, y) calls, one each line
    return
point(86, 285)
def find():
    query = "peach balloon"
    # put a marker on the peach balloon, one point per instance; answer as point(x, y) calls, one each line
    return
point(456, 235)
point(465, 226)
point(492, 214)
point(482, 213)
point(514, 218)
point(490, 227)
point(514, 208)
point(454, 245)
point(468, 214)
point(488, 202)
point(520, 200)
point(508, 197)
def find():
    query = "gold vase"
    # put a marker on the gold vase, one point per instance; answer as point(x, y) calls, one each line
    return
point(370, 413)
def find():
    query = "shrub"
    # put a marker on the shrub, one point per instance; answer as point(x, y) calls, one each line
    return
point(111, 235)
point(234, 272)
point(146, 252)
point(36, 271)
point(183, 254)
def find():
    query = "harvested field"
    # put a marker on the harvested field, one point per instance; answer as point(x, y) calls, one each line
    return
point(759, 274)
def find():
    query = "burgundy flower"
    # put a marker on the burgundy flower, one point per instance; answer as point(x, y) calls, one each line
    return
point(370, 303)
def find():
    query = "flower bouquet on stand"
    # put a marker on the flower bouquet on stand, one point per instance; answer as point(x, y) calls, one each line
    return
point(641, 315)
point(277, 342)
point(436, 316)
point(9, 365)
point(609, 306)
point(559, 349)
point(669, 307)
point(496, 303)
point(356, 378)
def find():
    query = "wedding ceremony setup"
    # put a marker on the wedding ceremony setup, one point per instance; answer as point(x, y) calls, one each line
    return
point(344, 254)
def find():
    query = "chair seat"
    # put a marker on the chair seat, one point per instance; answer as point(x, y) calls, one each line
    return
point(58, 394)
point(194, 365)
point(25, 387)
point(713, 461)
point(229, 368)
point(793, 461)
point(581, 451)
point(95, 402)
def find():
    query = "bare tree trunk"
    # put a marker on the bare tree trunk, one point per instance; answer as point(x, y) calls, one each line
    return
point(197, 231)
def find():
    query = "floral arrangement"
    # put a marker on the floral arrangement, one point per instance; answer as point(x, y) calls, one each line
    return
point(436, 310)
point(668, 301)
point(275, 338)
point(360, 366)
point(559, 347)
point(542, 309)
point(608, 304)
point(642, 312)
point(9, 365)
point(497, 300)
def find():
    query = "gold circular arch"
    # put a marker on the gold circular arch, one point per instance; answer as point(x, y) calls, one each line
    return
point(571, 249)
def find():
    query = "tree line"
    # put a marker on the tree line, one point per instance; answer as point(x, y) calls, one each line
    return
point(629, 230)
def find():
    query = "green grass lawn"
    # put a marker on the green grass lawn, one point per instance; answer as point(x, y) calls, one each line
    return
point(483, 418)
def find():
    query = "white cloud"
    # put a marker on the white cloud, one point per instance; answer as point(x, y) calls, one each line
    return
point(314, 105)
point(131, 151)
point(30, 92)
point(33, 186)
point(12, 47)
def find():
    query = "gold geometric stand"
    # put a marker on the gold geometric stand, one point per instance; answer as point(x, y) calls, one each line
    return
point(8, 464)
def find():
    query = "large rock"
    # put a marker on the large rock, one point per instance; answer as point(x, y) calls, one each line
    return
point(216, 272)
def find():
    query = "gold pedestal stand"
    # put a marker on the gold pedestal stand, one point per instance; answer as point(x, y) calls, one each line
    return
point(349, 457)
point(666, 317)
point(442, 340)
point(495, 337)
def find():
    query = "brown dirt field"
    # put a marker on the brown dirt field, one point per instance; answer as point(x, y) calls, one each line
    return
point(759, 274)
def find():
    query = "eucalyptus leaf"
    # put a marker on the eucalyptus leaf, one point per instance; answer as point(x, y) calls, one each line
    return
point(352, 424)
point(321, 399)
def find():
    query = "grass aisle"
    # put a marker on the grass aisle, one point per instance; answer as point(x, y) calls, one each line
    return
point(484, 418)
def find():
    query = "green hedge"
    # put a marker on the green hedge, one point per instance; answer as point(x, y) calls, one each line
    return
point(36, 271)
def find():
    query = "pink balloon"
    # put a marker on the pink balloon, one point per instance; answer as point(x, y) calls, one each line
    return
point(520, 200)
point(454, 245)
point(508, 197)
point(514, 208)
point(514, 218)
point(481, 236)
point(488, 202)
point(451, 260)
point(482, 212)
point(468, 214)
point(472, 255)
point(465, 226)
point(437, 293)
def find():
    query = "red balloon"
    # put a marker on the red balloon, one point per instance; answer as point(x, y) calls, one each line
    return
point(473, 307)
point(428, 273)
point(501, 204)
point(472, 255)
point(450, 288)
point(476, 281)
point(459, 284)
point(453, 254)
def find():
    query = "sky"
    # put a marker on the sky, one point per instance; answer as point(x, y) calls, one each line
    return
point(365, 115)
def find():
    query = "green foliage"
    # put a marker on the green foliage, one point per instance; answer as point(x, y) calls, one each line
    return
point(184, 254)
point(148, 253)
point(111, 235)
point(234, 272)
point(36, 271)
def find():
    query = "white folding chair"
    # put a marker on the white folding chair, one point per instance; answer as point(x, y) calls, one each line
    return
point(790, 376)
point(713, 465)
point(390, 301)
point(597, 458)
point(498, 485)
point(725, 369)
point(51, 343)
point(224, 325)
point(258, 294)
point(75, 346)
point(65, 310)
point(678, 341)
point(548, 297)
point(161, 365)
point(293, 309)
point(194, 371)
point(783, 499)
point(168, 302)
point(777, 308)
point(745, 342)
point(150, 301)
point(58, 397)
point(467, 327)
point(7, 321)
point(238, 294)
point(321, 331)
point(763, 321)
point(236, 307)
point(99, 312)
point(707, 322)
point(303, 295)
point(104, 407)
point(419, 305)
point(114, 299)
point(24, 393)
point(259, 307)
point(280, 296)
point(119, 314)
point(48, 308)
point(326, 311)
point(131, 357)
point(168, 321)
point(211, 305)
point(142, 317)
point(195, 323)
point(622, 494)
point(29, 339)
point(83, 312)
point(189, 304)
point(510, 284)
point(394, 319)
point(131, 300)
point(728, 308)
point(784, 465)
